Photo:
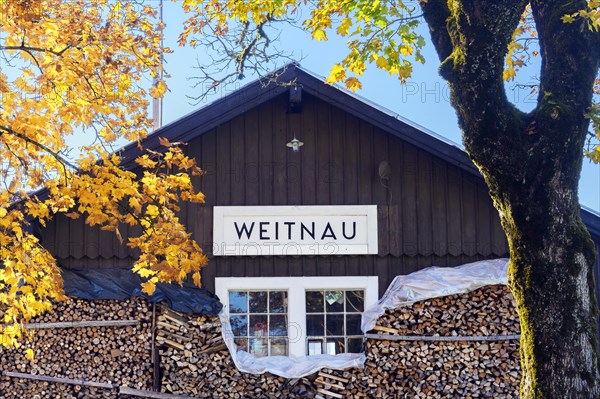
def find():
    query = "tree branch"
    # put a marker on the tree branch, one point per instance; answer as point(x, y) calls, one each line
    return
point(570, 60)
point(472, 40)
point(65, 162)
point(436, 13)
point(29, 50)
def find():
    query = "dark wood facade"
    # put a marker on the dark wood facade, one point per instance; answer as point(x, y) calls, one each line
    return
point(433, 209)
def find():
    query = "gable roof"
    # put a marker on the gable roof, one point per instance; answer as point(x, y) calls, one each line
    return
point(259, 91)
point(262, 90)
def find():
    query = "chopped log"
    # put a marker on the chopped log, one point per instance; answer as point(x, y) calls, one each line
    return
point(333, 377)
point(329, 384)
point(386, 329)
point(208, 326)
point(329, 393)
point(213, 349)
point(171, 343)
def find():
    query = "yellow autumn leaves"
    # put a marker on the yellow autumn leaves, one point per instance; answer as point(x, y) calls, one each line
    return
point(149, 200)
point(83, 67)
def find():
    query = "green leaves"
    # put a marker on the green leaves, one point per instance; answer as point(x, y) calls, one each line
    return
point(382, 33)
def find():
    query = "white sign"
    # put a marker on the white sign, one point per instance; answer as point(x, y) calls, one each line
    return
point(295, 230)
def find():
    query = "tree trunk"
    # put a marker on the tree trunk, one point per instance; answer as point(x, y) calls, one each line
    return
point(551, 275)
point(532, 163)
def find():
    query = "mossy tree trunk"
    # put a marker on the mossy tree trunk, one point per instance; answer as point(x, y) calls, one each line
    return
point(532, 163)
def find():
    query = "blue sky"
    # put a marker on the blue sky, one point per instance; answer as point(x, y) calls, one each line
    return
point(424, 99)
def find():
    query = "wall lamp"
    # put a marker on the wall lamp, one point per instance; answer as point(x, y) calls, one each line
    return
point(295, 144)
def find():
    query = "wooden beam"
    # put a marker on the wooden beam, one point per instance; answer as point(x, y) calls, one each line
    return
point(79, 324)
point(58, 380)
point(388, 337)
point(150, 394)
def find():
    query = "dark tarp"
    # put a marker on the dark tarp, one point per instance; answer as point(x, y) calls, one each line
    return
point(123, 284)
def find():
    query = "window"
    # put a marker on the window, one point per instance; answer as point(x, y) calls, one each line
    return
point(297, 316)
point(259, 321)
point(333, 321)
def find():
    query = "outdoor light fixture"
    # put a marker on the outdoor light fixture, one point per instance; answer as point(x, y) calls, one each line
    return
point(295, 144)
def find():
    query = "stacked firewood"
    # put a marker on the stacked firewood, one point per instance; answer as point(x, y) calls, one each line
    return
point(457, 346)
point(487, 311)
point(405, 359)
point(117, 355)
point(196, 362)
point(481, 359)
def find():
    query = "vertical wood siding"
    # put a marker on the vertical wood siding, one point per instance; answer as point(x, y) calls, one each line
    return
point(430, 212)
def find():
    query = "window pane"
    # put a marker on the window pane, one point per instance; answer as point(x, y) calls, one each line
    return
point(241, 343)
point(334, 345)
point(239, 326)
point(278, 325)
point(258, 346)
point(258, 325)
point(355, 345)
point(258, 301)
point(315, 347)
point(314, 301)
point(278, 301)
point(279, 347)
point(237, 302)
point(335, 324)
point(334, 301)
point(353, 324)
point(355, 301)
point(314, 325)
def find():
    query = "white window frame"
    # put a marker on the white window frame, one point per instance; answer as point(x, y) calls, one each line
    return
point(296, 288)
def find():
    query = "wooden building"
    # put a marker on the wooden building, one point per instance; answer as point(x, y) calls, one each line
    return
point(432, 206)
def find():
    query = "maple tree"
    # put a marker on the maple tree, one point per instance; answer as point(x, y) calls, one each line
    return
point(83, 67)
point(531, 162)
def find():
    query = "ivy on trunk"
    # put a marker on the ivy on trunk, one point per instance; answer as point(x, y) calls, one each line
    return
point(532, 163)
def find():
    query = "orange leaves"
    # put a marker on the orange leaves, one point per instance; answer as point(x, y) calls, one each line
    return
point(353, 84)
point(148, 287)
point(145, 162)
point(164, 142)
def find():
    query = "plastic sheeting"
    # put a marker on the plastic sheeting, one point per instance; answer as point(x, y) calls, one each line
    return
point(286, 366)
point(434, 282)
point(424, 284)
point(122, 284)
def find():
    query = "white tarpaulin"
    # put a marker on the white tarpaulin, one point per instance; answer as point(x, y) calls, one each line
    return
point(404, 290)
point(286, 366)
point(434, 282)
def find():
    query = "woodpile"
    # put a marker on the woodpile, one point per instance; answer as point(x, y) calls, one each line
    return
point(487, 311)
point(196, 362)
point(481, 360)
point(117, 355)
point(459, 346)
